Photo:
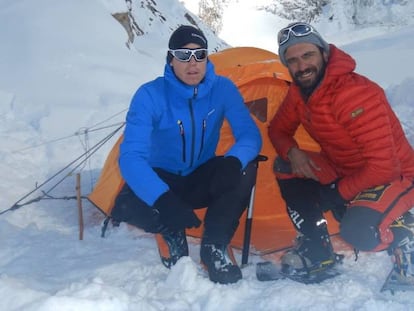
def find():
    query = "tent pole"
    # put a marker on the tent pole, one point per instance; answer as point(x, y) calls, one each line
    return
point(249, 215)
point(80, 212)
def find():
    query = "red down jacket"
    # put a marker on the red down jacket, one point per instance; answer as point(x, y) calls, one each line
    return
point(351, 119)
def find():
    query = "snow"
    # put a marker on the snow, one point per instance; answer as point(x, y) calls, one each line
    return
point(66, 78)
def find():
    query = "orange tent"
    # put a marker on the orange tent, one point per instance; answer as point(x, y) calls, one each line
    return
point(263, 82)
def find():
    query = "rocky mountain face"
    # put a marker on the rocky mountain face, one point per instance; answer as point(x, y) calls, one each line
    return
point(147, 17)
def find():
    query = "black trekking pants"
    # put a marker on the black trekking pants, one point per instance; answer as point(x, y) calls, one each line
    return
point(224, 206)
point(302, 201)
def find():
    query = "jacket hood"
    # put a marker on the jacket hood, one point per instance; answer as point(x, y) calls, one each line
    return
point(339, 62)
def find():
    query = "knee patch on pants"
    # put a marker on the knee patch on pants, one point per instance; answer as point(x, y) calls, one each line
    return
point(359, 227)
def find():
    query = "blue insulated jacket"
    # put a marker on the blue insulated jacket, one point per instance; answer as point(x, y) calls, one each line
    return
point(176, 127)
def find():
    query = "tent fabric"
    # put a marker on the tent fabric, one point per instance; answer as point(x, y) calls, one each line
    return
point(263, 82)
point(110, 182)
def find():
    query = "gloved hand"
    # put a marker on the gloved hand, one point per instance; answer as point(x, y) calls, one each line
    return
point(331, 199)
point(174, 213)
point(227, 174)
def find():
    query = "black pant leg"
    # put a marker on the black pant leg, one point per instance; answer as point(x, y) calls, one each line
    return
point(224, 206)
point(301, 197)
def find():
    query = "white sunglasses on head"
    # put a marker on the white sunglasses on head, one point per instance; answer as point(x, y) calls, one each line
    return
point(298, 30)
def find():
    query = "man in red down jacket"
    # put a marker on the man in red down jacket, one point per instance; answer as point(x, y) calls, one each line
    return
point(364, 171)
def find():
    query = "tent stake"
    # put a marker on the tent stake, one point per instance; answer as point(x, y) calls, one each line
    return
point(80, 212)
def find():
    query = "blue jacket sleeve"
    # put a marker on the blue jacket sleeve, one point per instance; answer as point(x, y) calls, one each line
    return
point(248, 140)
point(135, 149)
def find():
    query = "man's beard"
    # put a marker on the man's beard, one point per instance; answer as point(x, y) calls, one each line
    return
point(307, 90)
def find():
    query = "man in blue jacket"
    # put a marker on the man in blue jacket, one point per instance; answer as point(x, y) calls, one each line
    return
point(168, 159)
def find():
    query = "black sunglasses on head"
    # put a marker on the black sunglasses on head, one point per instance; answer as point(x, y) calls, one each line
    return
point(184, 55)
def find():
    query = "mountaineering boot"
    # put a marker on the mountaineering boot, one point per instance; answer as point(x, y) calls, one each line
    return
point(220, 263)
point(172, 245)
point(310, 256)
point(403, 247)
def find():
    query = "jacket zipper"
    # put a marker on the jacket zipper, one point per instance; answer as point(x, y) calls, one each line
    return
point(193, 131)
point(193, 126)
point(182, 134)
point(202, 138)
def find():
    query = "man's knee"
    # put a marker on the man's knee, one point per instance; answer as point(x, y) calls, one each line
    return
point(282, 169)
point(299, 190)
point(291, 186)
point(359, 227)
point(249, 175)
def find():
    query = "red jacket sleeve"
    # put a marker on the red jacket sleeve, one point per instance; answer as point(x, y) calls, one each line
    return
point(283, 126)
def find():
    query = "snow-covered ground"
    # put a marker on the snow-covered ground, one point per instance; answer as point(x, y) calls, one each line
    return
point(66, 78)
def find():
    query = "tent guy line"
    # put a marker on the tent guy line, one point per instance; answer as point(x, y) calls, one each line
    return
point(86, 155)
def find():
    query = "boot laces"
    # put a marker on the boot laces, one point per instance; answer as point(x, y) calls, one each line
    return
point(219, 256)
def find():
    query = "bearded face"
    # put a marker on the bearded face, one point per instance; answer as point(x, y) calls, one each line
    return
point(306, 64)
point(309, 79)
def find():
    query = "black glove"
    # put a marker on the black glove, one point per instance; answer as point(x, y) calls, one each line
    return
point(227, 174)
point(331, 199)
point(174, 213)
